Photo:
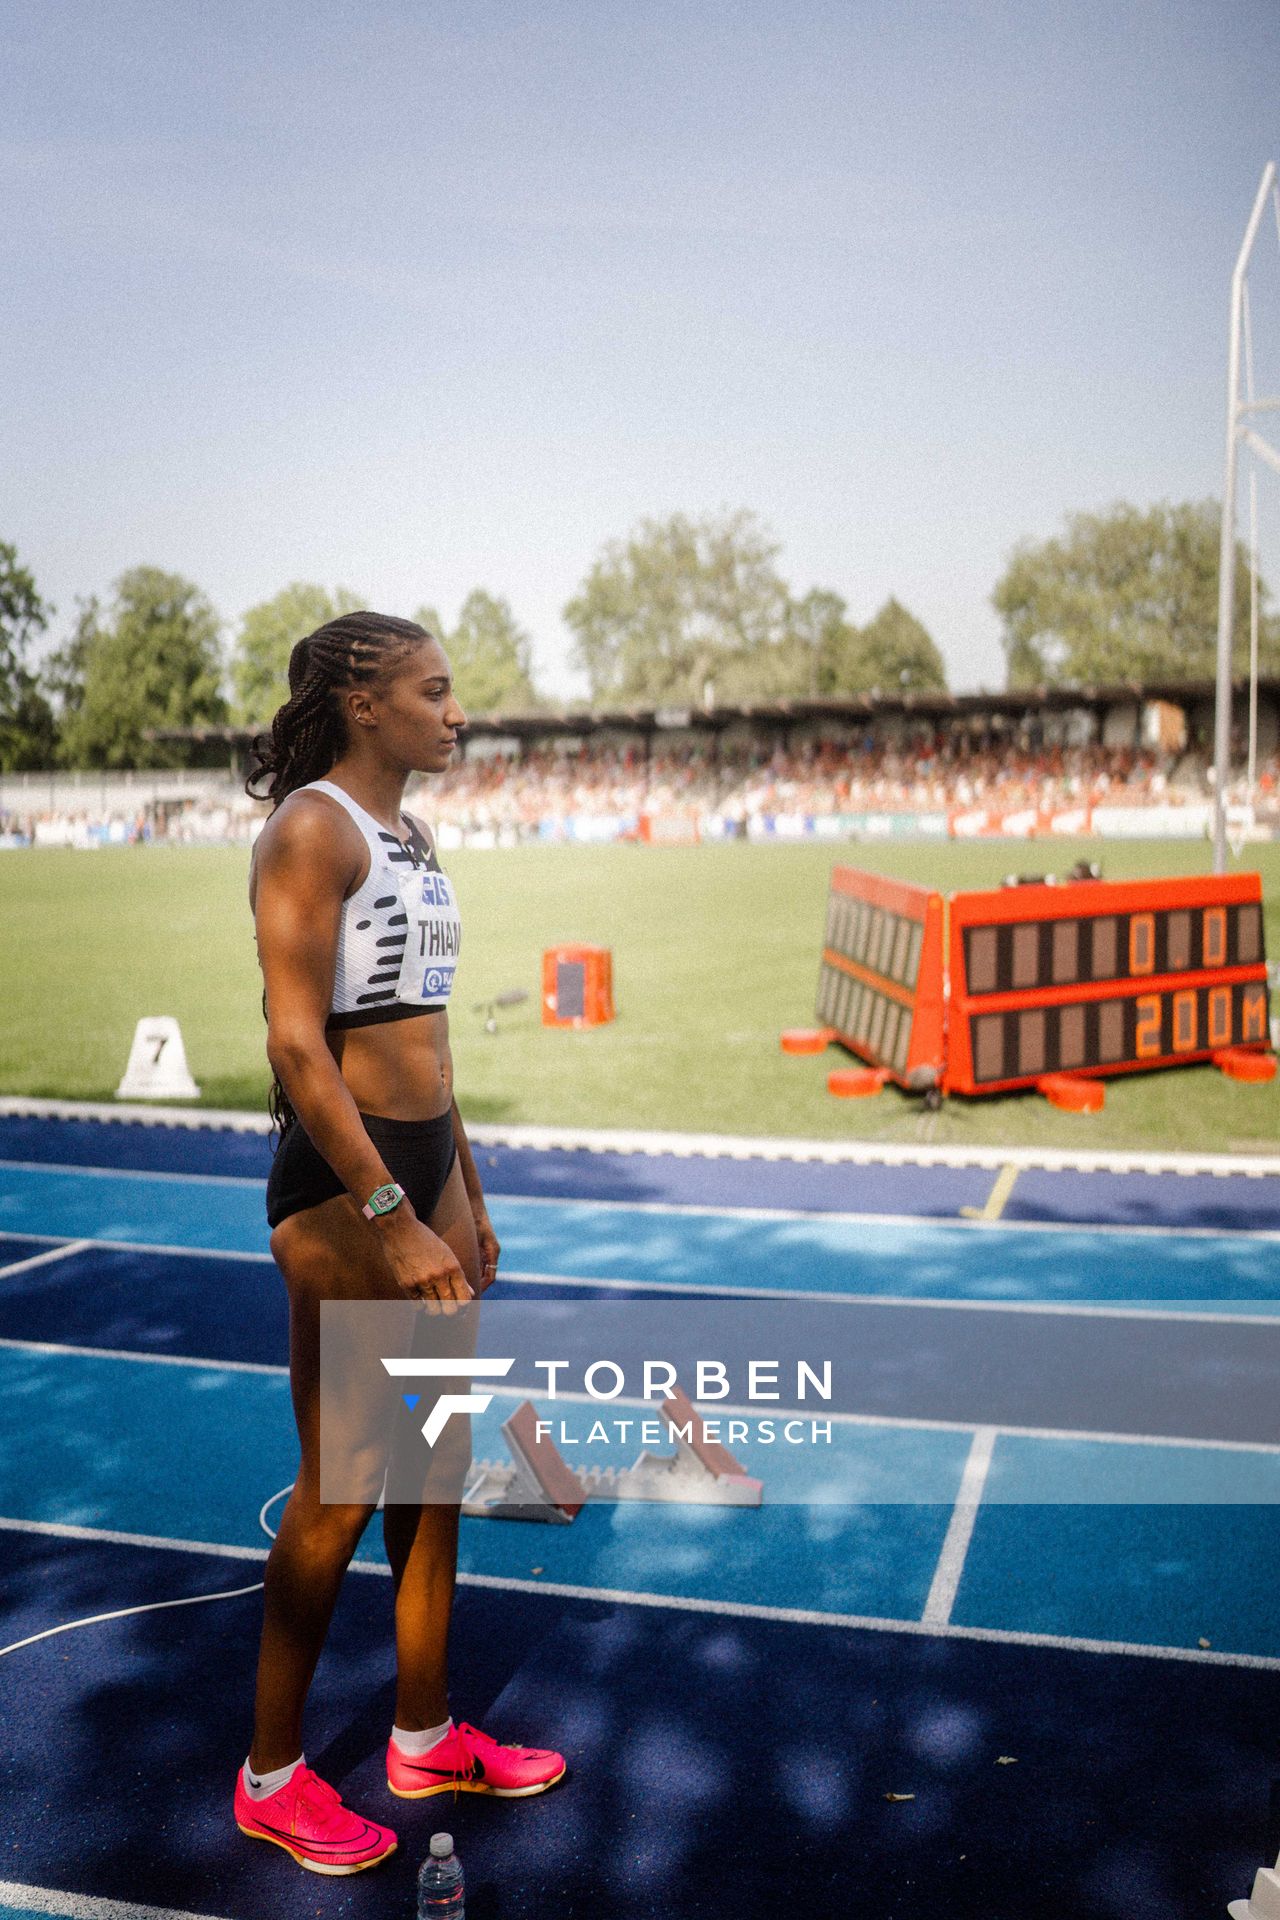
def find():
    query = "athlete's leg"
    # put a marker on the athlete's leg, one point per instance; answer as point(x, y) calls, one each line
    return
point(324, 1253)
point(422, 1541)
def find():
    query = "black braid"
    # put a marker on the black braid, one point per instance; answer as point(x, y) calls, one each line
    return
point(309, 732)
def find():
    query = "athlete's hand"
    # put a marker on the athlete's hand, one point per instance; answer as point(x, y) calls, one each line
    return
point(426, 1267)
point(487, 1240)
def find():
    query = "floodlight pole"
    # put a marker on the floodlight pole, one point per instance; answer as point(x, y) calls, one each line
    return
point(1253, 632)
point(1227, 554)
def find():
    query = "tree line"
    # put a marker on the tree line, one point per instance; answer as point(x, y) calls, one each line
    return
point(682, 611)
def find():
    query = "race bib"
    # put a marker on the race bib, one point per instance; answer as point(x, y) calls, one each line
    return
point(434, 936)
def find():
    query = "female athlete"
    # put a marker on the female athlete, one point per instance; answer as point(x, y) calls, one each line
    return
point(373, 1193)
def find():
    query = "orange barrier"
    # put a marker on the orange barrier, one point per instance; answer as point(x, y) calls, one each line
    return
point(679, 829)
point(807, 1039)
point(1072, 1092)
point(1102, 977)
point(1239, 1064)
point(856, 1083)
point(577, 986)
point(880, 987)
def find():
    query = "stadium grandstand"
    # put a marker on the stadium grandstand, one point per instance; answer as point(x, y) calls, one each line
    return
point(1129, 761)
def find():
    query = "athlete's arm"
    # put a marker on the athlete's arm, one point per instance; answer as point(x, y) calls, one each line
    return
point(485, 1235)
point(307, 859)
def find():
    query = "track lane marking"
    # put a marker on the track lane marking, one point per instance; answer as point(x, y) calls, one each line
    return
point(955, 1547)
point(44, 1259)
point(683, 1146)
point(990, 1215)
point(79, 1170)
point(15, 1895)
point(734, 1609)
point(724, 1408)
point(997, 1199)
point(716, 1289)
point(148, 1246)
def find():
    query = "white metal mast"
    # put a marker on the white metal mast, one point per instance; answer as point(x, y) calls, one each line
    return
point(1237, 430)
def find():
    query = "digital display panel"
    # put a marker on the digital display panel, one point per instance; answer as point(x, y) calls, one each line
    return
point(880, 980)
point(1029, 1041)
point(865, 1015)
point(1103, 977)
point(1110, 946)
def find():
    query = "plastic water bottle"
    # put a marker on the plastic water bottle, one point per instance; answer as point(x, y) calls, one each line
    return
point(440, 1889)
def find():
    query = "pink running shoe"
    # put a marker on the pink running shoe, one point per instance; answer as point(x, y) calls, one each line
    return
point(468, 1761)
point(307, 1818)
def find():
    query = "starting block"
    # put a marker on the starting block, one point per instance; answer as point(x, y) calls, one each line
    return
point(1264, 1902)
point(700, 1470)
point(539, 1484)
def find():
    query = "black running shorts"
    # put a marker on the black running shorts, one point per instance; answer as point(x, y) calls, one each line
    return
point(419, 1154)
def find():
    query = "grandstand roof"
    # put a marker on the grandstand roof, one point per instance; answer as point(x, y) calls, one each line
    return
point(1013, 704)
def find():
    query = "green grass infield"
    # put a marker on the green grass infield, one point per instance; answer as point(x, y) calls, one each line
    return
point(715, 951)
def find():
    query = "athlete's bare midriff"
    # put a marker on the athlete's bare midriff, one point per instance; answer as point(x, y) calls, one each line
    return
point(401, 1069)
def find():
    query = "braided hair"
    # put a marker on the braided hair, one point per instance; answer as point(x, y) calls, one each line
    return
point(309, 732)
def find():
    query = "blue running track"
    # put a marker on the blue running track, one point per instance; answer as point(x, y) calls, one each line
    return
point(1056, 1532)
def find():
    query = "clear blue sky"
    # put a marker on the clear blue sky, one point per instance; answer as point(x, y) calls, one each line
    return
point(420, 297)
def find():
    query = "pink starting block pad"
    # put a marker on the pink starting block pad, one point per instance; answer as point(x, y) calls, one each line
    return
point(714, 1459)
point(539, 1484)
point(700, 1472)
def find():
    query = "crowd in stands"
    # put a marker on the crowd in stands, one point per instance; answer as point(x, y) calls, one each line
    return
point(210, 822)
point(822, 778)
point(732, 789)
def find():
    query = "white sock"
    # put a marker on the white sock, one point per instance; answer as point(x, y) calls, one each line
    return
point(414, 1745)
point(259, 1785)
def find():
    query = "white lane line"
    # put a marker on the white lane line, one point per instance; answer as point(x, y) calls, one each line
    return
point(736, 1609)
point(724, 1409)
point(131, 1113)
point(944, 1223)
point(79, 1172)
point(1069, 1308)
point(1085, 1309)
point(158, 1542)
point(149, 1246)
point(84, 1906)
point(871, 1152)
point(967, 1221)
point(955, 1547)
point(58, 1349)
point(701, 1145)
point(45, 1259)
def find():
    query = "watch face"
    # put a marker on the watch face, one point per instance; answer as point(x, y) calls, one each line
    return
point(384, 1199)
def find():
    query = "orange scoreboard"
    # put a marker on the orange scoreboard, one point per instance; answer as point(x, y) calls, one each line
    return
point(880, 986)
point(1101, 977)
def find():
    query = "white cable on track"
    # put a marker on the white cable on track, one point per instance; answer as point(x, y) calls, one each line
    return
point(156, 1606)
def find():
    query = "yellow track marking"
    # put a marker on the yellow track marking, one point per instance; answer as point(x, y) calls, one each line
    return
point(997, 1199)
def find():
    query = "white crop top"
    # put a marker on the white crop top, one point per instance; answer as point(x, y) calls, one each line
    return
point(399, 936)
